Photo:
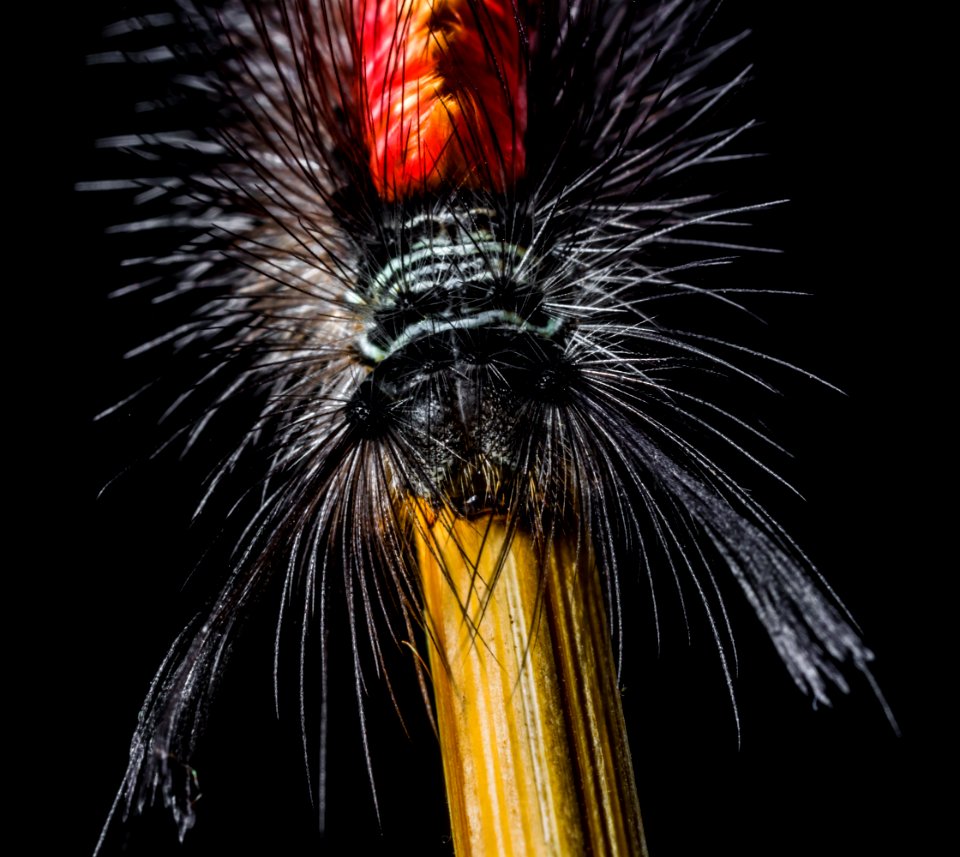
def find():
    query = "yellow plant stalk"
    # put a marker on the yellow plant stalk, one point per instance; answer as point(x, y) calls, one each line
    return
point(531, 727)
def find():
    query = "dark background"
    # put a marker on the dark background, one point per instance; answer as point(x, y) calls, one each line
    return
point(107, 573)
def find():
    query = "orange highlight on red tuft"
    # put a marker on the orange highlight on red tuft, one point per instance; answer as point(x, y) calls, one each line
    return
point(443, 94)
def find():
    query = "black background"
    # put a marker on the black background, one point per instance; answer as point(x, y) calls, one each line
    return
point(108, 572)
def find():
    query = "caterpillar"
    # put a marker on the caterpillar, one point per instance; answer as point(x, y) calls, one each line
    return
point(335, 308)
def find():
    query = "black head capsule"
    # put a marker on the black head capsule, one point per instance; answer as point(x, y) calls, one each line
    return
point(461, 342)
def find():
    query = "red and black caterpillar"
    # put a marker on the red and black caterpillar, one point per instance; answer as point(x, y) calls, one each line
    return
point(490, 327)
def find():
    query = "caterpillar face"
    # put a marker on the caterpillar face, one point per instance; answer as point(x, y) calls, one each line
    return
point(462, 342)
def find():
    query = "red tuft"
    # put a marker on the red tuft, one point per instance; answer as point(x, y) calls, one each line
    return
point(443, 93)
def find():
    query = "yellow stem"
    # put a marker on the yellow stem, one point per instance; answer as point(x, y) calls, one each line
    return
point(531, 727)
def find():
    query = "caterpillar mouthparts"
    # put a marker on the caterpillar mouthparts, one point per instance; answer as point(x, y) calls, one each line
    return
point(434, 261)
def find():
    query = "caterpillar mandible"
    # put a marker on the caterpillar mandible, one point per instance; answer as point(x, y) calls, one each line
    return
point(476, 310)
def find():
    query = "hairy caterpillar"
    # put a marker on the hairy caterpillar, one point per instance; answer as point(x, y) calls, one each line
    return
point(438, 221)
